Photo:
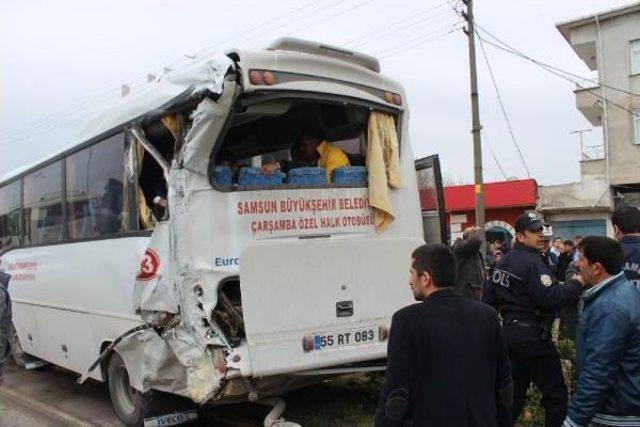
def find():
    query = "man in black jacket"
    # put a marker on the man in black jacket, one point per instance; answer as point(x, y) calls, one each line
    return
point(5, 321)
point(469, 263)
point(447, 362)
point(626, 224)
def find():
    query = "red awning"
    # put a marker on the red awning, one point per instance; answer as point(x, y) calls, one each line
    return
point(503, 194)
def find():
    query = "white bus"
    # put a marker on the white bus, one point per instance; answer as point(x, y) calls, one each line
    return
point(247, 284)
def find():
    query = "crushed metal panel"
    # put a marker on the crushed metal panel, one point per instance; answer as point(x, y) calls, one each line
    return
point(208, 120)
point(155, 288)
point(185, 353)
point(201, 76)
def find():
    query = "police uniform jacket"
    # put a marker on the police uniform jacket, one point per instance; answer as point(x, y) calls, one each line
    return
point(631, 249)
point(447, 366)
point(523, 289)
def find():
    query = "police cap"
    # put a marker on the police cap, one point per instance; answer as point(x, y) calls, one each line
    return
point(528, 222)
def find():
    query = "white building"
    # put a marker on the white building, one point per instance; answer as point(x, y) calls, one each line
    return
point(609, 43)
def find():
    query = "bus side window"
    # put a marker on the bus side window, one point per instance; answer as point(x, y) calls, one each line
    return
point(43, 205)
point(97, 203)
point(10, 216)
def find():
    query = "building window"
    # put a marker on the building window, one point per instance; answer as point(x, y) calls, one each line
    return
point(635, 57)
point(636, 125)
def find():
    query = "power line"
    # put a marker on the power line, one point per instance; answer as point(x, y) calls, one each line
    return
point(514, 50)
point(449, 28)
point(502, 108)
point(390, 30)
point(419, 43)
point(73, 108)
point(495, 159)
point(277, 18)
point(521, 55)
point(332, 16)
point(108, 93)
point(398, 22)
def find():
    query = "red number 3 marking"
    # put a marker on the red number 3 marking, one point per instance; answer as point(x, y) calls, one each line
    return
point(149, 265)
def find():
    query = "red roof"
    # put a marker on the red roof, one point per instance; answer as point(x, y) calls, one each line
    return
point(503, 194)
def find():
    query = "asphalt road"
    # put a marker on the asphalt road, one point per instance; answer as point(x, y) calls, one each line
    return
point(51, 397)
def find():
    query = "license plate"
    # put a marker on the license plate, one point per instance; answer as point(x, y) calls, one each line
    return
point(343, 339)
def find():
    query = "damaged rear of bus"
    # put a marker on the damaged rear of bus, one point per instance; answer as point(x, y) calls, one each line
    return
point(253, 284)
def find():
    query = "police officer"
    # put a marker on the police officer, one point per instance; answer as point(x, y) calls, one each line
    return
point(626, 224)
point(527, 295)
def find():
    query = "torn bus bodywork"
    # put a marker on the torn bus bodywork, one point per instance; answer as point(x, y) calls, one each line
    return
point(192, 312)
point(185, 352)
point(201, 340)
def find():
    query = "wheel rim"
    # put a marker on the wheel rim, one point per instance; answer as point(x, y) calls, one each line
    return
point(123, 394)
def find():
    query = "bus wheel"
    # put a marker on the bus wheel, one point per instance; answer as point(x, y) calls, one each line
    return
point(19, 356)
point(127, 401)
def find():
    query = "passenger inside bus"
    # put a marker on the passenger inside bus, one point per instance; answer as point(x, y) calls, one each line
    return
point(294, 142)
point(311, 150)
point(164, 135)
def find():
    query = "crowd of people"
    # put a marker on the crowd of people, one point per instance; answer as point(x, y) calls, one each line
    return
point(468, 353)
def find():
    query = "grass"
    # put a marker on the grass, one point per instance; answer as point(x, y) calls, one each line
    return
point(345, 401)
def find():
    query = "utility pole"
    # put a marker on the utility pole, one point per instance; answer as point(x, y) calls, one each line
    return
point(470, 31)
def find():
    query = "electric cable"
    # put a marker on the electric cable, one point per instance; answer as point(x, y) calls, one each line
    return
point(495, 159)
point(359, 5)
point(540, 63)
point(502, 108)
point(418, 44)
point(449, 29)
point(562, 76)
point(390, 30)
point(397, 22)
point(109, 92)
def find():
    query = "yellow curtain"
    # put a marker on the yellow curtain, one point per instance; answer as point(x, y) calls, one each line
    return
point(383, 165)
point(170, 121)
point(146, 216)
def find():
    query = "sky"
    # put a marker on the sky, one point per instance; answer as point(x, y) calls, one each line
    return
point(62, 62)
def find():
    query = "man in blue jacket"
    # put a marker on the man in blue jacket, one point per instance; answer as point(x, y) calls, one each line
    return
point(608, 340)
point(626, 224)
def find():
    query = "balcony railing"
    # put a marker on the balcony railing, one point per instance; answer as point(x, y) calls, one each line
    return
point(592, 152)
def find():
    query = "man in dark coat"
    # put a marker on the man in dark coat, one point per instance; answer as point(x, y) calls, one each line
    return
point(5, 321)
point(626, 224)
point(447, 362)
point(469, 263)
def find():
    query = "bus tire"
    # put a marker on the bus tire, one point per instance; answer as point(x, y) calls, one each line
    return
point(128, 403)
point(17, 353)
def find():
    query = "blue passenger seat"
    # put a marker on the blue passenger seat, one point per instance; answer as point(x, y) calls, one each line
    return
point(349, 175)
point(307, 176)
point(253, 176)
point(222, 175)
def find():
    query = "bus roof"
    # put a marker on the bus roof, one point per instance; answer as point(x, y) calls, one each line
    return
point(205, 75)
